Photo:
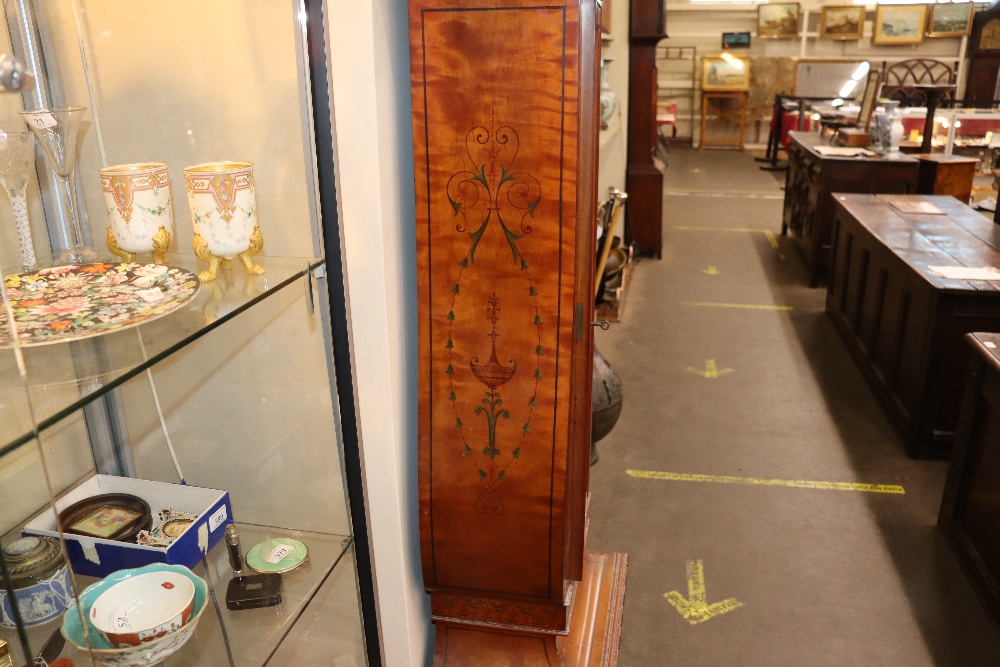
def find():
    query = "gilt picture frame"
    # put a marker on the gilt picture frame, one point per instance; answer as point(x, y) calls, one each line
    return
point(725, 74)
point(899, 24)
point(778, 20)
point(869, 98)
point(953, 19)
point(842, 22)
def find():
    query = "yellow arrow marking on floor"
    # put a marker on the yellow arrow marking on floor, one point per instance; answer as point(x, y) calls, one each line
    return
point(710, 372)
point(756, 481)
point(752, 306)
point(771, 238)
point(695, 608)
point(712, 271)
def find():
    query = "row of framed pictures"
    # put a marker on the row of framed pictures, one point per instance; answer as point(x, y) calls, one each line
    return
point(894, 24)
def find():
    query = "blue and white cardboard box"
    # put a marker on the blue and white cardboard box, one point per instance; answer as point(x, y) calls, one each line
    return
point(98, 557)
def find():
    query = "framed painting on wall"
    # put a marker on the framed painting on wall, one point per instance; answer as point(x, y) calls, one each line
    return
point(735, 40)
point(899, 24)
point(725, 73)
point(952, 19)
point(842, 22)
point(778, 20)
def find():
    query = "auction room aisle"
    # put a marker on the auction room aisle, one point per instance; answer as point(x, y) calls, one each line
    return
point(732, 370)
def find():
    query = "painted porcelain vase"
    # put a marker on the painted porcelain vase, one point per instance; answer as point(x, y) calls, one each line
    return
point(223, 205)
point(138, 200)
point(896, 129)
point(887, 129)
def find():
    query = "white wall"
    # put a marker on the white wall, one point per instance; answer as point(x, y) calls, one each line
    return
point(614, 139)
point(369, 68)
point(701, 24)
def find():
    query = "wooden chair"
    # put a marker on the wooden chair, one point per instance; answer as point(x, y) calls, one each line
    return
point(920, 82)
point(906, 80)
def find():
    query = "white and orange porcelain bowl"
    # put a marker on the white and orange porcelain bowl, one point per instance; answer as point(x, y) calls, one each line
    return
point(144, 608)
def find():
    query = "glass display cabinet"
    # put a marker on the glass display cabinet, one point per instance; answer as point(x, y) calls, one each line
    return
point(186, 380)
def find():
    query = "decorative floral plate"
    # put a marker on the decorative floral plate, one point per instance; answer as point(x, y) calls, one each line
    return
point(73, 302)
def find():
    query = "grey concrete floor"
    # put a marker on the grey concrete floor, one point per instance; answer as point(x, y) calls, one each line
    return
point(825, 577)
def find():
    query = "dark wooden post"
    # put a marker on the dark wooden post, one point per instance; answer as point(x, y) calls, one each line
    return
point(644, 180)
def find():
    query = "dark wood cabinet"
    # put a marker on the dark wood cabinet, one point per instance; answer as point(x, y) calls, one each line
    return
point(505, 128)
point(970, 509)
point(901, 321)
point(813, 178)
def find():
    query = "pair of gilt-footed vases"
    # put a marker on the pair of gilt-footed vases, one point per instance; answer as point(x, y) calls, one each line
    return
point(221, 197)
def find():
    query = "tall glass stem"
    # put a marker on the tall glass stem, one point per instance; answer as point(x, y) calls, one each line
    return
point(69, 185)
point(19, 202)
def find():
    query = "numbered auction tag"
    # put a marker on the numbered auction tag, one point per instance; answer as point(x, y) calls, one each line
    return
point(277, 553)
point(151, 295)
point(119, 620)
point(42, 121)
point(217, 519)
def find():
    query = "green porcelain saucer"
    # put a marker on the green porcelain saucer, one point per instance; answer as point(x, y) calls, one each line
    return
point(277, 555)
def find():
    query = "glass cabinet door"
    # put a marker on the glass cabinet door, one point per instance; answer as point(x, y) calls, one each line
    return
point(168, 389)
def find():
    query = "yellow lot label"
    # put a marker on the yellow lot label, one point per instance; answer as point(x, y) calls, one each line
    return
point(757, 481)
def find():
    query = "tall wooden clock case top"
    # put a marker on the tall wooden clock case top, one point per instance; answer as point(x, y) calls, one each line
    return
point(505, 130)
point(984, 57)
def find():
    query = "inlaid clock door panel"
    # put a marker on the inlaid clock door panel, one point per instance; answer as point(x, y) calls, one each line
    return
point(496, 107)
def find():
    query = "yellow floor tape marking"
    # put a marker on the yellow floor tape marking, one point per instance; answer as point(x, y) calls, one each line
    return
point(753, 306)
point(710, 372)
point(712, 271)
point(774, 243)
point(771, 238)
point(756, 481)
point(764, 194)
point(688, 228)
point(695, 608)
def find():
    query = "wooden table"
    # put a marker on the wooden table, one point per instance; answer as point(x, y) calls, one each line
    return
point(970, 510)
point(812, 178)
point(902, 322)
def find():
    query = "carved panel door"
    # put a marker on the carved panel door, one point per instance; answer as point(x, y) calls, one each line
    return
point(504, 121)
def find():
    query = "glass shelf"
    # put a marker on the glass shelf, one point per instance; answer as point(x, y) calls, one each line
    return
point(63, 377)
point(252, 636)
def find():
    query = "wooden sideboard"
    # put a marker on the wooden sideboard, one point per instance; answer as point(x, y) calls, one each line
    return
point(812, 178)
point(505, 126)
point(902, 322)
point(970, 509)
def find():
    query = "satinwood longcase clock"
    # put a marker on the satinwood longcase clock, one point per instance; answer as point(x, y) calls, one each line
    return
point(505, 139)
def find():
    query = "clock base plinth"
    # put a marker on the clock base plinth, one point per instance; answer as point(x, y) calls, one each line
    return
point(592, 641)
